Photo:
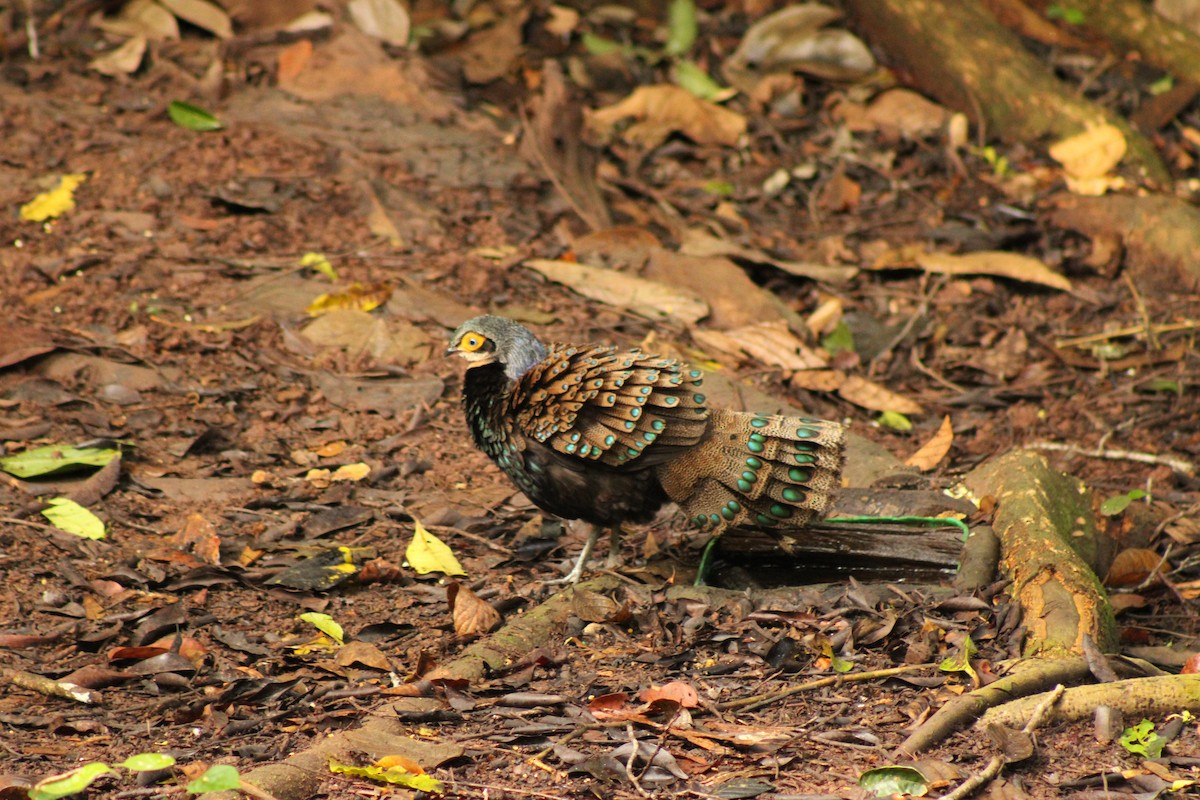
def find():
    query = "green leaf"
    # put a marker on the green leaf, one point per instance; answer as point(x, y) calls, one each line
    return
point(1071, 16)
point(887, 781)
point(1163, 85)
point(689, 76)
point(600, 46)
point(682, 27)
point(427, 553)
point(69, 516)
point(1141, 740)
point(840, 340)
point(186, 115)
point(895, 420)
point(961, 660)
point(68, 783)
point(147, 761)
point(56, 458)
point(719, 188)
point(1162, 385)
point(217, 778)
point(326, 625)
point(1115, 505)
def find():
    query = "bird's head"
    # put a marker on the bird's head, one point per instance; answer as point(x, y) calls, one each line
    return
point(497, 340)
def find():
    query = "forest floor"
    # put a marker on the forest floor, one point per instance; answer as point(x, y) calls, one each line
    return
point(168, 312)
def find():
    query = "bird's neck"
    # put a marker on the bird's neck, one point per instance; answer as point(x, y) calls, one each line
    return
point(486, 388)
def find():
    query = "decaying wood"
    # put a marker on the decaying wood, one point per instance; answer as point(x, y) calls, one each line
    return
point(959, 54)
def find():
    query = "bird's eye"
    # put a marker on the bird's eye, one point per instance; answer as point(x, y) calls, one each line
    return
point(472, 342)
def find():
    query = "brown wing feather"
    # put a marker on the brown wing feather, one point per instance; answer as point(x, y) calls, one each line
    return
point(621, 408)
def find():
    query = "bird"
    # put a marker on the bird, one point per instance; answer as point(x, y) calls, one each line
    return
point(607, 435)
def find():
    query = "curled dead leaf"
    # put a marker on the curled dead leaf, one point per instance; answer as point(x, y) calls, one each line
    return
point(1133, 565)
point(662, 110)
point(933, 451)
point(994, 262)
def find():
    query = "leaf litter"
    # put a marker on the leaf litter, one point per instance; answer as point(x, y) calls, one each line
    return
point(179, 613)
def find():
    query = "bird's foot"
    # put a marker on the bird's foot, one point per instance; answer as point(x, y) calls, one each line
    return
point(576, 572)
point(613, 560)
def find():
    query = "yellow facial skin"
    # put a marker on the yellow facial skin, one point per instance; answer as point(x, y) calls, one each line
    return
point(473, 347)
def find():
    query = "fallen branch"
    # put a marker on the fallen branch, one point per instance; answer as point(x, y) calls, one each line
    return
point(1027, 677)
point(1177, 464)
point(760, 700)
point(989, 773)
point(1140, 697)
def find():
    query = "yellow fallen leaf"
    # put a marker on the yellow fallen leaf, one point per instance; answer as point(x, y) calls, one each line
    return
point(318, 262)
point(351, 472)
point(363, 297)
point(1092, 153)
point(426, 553)
point(55, 202)
point(69, 516)
point(933, 451)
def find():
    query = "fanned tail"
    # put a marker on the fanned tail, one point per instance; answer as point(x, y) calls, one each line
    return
point(757, 470)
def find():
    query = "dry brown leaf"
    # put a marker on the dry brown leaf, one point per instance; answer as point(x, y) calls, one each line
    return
point(1133, 565)
point(293, 58)
point(933, 451)
point(662, 110)
point(122, 61)
point(994, 262)
point(645, 298)
point(362, 654)
point(869, 394)
point(200, 536)
point(142, 18)
point(202, 14)
point(825, 317)
point(769, 343)
point(818, 380)
point(906, 113)
point(682, 693)
point(698, 242)
point(472, 616)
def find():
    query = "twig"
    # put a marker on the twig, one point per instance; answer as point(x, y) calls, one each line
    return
point(915, 360)
point(1132, 330)
point(1151, 336)
point(253, 791)
point(989, 773)
point(48, 686)
point(633, 757)
point(758, 701)
point(1177, 464)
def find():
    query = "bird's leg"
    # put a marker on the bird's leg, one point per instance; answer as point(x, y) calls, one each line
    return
point(614, 548)
point(573, 576)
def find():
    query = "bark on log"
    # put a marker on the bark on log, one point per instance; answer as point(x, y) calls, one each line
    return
point(1050, 549)
point(1132, 26)
point(958, 53)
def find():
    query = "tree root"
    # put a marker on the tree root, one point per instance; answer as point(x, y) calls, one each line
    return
point(1027, 677)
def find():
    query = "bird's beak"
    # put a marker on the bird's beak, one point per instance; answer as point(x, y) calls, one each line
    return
point(450, 351)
